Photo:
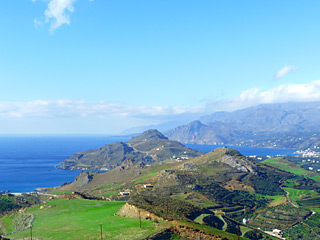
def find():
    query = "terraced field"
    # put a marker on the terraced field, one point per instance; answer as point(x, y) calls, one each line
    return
point(288, 166)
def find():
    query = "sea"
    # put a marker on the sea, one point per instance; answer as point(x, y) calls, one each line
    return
point(29, 162)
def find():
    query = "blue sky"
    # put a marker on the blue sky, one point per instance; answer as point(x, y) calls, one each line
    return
point(102, 66)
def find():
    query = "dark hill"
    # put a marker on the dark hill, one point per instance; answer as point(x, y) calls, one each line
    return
point(108, 156)
point(146, 148)
point(148, 135)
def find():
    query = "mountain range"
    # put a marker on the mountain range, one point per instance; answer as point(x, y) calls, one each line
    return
point(282, 125)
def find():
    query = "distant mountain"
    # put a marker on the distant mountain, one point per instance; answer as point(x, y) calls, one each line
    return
point(289, 125)
point(280, 117)
point(147, 148)
point(160, 127)
point(199, 133)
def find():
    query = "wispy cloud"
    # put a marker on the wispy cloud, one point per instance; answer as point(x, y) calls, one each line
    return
point(72, 108)
point(307, 92)
point(57, 13)
point(285, 70)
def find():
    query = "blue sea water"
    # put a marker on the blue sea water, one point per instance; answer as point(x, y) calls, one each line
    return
point(29, 162)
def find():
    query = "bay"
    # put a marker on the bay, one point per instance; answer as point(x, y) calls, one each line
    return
point(29, 162)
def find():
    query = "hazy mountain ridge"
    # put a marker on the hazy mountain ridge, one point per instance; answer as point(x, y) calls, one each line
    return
point(288, 125)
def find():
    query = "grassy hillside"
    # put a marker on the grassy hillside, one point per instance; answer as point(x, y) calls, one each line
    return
point(81, 219)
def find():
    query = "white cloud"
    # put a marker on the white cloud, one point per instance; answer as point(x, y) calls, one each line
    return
point(307, 92)
point(72, 108)
point(285, 70)
point(57, 13)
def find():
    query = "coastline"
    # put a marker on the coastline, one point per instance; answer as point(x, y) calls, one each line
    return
point(30, 163)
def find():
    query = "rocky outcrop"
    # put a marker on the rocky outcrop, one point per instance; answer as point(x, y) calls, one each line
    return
point(132, 211)
point(230, 158)
point(129, 164)
point(189, 167)
point(234, 159)
point(238, 163)
point(194, 234)
point(83, 179)
point(165, 234)
point(184, 232)
point(23, 221)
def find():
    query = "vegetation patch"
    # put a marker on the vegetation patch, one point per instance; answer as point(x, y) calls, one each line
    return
point(11, 202)
point(277, 200)
point(217, 193)
point(280, 217)
point(6, 224)
point(200, 218)
point(58, 192)
point(307, 230)
point(299, 194)
point(213, 221)
point(23, 221)
point(7, 204)
point(253, 234)
point(166, 207)
point(148, 176)
point(195, 199)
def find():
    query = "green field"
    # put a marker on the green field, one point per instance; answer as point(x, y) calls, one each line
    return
point(82, 219)
point(277, 200)
point(198, 200)
point(6, 224)
point(288, 166)
point(53, 191)
point(298, 194)
point(151, 174)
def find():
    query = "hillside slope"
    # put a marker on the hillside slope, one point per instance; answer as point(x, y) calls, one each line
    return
point(212, 188)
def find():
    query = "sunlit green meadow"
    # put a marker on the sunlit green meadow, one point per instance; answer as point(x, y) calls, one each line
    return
point(82, 219)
